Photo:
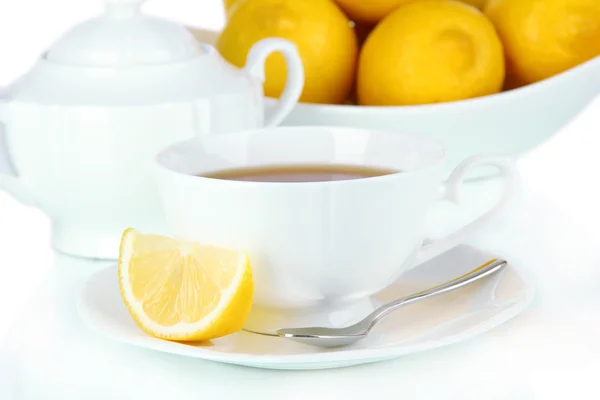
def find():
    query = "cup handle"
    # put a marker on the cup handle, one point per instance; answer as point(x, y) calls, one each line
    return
point(8, 175)
point(451, 192)
point(255, 65)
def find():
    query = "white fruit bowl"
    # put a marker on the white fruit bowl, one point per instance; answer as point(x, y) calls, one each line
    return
point(512, 122)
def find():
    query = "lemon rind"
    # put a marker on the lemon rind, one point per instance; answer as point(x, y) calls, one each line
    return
point(181, 329)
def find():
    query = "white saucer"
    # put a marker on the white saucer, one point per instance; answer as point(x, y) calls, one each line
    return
point(436, 322)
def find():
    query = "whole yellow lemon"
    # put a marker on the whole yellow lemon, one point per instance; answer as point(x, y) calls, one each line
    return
point(373, 11)
point(324, 36)
point(476, 3)
point(545, 37)
point(430, 51)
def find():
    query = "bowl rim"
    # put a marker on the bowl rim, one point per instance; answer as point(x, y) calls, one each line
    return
point(507, 96)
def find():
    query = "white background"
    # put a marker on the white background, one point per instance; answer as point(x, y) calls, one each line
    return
point(565, 170)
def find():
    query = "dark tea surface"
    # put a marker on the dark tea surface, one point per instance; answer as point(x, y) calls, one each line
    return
point(299, 173)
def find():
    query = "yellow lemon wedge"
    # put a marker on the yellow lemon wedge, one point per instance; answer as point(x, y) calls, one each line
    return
point(184, 291)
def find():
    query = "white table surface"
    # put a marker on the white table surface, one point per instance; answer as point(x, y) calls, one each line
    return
point(552, 349)
point(49, 354)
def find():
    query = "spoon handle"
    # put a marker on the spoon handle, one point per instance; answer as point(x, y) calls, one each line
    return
point(478, 273)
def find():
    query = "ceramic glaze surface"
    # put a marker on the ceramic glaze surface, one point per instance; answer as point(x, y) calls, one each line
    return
point(315, 242)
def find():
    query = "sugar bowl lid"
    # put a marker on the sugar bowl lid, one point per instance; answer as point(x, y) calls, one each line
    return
point(123, 36)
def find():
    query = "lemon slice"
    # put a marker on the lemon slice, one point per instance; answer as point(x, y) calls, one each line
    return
point(184, 291)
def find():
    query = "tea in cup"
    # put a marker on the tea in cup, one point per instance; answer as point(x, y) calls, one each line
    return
point(329, 216)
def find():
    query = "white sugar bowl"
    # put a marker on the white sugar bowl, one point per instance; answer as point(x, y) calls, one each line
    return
point(79, 131)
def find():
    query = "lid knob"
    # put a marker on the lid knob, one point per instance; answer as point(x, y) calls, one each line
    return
point(124, 37)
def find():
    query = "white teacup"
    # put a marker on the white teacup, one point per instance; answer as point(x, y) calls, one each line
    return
point(317, 243)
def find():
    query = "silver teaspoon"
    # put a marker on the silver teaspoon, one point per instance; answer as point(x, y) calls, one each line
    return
point(335, 337)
